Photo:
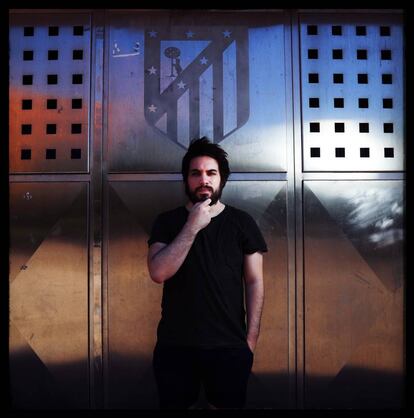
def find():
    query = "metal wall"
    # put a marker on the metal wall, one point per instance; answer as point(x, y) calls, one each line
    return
point(309, 106)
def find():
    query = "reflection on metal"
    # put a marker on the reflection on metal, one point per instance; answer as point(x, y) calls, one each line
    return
point(48, 305)
point(197, 77)
point(353, 92)
point(353, 295)
point(134, 301)
point(371, 216)
point(49, 92)
point(83, 311)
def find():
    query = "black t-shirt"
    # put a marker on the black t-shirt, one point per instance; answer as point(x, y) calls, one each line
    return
point(203, 303)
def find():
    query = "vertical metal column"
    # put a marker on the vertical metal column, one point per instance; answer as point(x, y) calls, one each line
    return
point(95, 291)
point(297, 212)
point(292, 162)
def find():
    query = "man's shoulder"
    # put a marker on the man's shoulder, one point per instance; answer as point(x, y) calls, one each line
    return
point(238, 214)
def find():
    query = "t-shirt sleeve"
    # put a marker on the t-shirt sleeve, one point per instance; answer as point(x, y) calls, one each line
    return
point(252, 238)
point(159, 231)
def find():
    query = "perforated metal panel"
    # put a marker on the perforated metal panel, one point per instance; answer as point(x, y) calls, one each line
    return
point(49, 92)
point(352, 92)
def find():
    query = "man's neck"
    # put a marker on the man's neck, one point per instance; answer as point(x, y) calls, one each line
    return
point(215, 209)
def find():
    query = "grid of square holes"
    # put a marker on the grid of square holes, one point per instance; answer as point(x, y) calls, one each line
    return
point(352, 92)
point(49, 92)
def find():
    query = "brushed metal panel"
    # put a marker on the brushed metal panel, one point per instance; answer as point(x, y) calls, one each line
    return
point(354, 294)
point(371, 113)
point(174, 76)
point(48, 338)
point(134, 300)
point(49, 119)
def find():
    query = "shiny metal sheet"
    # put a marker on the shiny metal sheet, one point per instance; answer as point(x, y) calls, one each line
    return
point(49, 92)
point(352, 124)
point(174, 76)
point(48, 338)
point(354, 294)
point(134, 300)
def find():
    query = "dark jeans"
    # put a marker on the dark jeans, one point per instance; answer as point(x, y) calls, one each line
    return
point(224, 372)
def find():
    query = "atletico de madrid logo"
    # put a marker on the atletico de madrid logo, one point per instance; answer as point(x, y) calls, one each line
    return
point(196, 81)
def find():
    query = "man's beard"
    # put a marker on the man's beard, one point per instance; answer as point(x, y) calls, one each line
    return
point(214, 195)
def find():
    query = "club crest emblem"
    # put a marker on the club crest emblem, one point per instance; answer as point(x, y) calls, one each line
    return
point(196, 81)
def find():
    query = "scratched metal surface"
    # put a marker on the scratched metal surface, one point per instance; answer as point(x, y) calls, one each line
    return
point(354, 293)
point(48, 335)
point(134, 300)
point(179, 75)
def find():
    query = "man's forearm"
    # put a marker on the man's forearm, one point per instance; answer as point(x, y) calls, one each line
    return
point(254, 308)
point(166, 262)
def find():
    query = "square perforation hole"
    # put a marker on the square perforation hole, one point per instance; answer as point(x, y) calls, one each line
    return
point(76, 128)
point(364, 152)
point(53, 31)
point(312, 30)
point(360, 30)
point(25, 154)
point(314, 127)
point(51, 104)
point(363, 102)
point(388, 128)
point(75, 153)
point(313, 102)
point(312, 54)
point(337, 54)
point(51, 128)
point(364, 127)
point(52, 54)
point(385, 54)
point(338, 78)
point(52, 79)
point(387, 103)
point(77, 78)
point(28, 31)
point(336, 30)
point(78, 30)
point(77, 54)
point(338, 102)
point(50, 154)
point(362, 54)
point(28, 55)
point(385, 31)
point(26, 129)
point(339, 127)
point(339, 152)
point(362, 78)
point(315, 152)
point(389, 152)
point(27, 79)
point(26, 104)
point(76, 103)
point(386, 78)
point(313, 78)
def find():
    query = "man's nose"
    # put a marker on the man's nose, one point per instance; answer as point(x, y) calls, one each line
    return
point(204, 179)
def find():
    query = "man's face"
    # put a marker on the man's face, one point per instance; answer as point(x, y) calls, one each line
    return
point(204, 180)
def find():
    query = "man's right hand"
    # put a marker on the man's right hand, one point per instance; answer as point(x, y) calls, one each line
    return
point(199, 216)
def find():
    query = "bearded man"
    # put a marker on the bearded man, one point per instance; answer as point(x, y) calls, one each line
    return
point(209, 258)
